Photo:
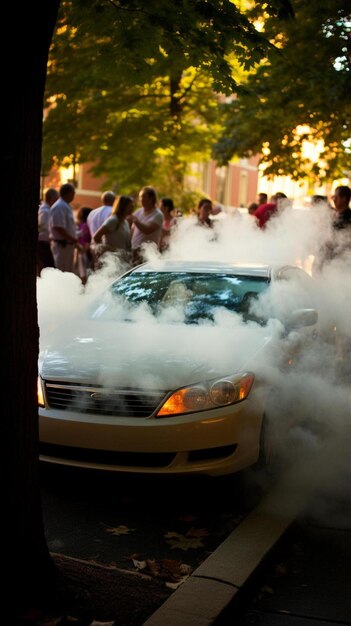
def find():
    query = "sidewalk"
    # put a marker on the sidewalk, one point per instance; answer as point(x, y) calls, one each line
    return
point(287, 564)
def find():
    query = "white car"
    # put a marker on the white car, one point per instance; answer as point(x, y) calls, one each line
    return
point(168, 371)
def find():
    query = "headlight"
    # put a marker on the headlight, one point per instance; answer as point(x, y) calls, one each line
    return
point(210, 395)
point(223, 392)
point(40, 392)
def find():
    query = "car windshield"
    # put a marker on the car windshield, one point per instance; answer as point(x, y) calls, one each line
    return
point(198, 295)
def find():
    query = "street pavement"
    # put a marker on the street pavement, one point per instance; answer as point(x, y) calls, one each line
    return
point(287, 564)
point(130, 521)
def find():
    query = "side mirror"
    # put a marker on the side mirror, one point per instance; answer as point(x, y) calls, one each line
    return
point(301, 318)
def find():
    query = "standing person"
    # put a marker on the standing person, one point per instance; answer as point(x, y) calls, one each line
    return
point(340, 241)
point(115, 231)
point(341, 199)
point(62, 229)
point(318, 199)
point(97, 216)
point(339, 247)
point(203, 211)
point(252, 208)
point(169, 221)
point(44, 254)
point(146, 223)
point(262, 198)
point(82, 260)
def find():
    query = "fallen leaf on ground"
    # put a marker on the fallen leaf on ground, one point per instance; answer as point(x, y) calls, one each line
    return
point(119, 530)
point(177, 584)
point(135, 555)
point(181, 542)
point(169, 570)
point(139, 565)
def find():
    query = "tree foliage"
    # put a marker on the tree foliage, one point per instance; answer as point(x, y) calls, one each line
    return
point(301, 95)
point(131, 84)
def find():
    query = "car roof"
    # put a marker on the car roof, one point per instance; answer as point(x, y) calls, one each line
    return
point(245, 269)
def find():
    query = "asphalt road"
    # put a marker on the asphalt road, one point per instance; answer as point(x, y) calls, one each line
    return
point(130, 521)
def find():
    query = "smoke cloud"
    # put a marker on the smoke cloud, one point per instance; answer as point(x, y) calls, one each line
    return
point(314, 390)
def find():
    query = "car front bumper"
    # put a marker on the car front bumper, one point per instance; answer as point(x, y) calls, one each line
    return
point(215, 442)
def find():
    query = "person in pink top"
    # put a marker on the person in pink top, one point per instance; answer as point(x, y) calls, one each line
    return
point(82, 259)
point(169, 221)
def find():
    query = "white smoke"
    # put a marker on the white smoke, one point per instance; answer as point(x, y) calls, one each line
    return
point(315, 391)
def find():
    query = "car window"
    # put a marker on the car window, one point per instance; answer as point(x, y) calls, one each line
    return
point(296, 274)
point(302, 282)
point(291, 289)
point(198, 294)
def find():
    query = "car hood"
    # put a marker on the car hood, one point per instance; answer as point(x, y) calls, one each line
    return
point(151, 355)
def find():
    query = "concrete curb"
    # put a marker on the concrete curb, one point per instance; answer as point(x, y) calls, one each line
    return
point(214, 584)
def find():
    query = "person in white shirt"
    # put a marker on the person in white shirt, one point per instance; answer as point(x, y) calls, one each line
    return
point(146, 223)
point(62, 229)
point(44, 256)
point(98, 216)
point(95, 220)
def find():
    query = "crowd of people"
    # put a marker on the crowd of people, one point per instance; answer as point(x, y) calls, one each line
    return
point(79, 242)
point(264, 210)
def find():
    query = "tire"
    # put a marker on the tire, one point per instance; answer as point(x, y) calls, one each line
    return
point(268, 456)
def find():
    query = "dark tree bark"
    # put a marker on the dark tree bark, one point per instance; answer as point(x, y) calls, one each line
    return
point(28, 572)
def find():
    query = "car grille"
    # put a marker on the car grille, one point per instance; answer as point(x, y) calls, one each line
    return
point(102, 401)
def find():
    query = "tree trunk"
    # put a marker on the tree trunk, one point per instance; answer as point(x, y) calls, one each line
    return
point(176, 165)
point(175, 101)
point(26, 564)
